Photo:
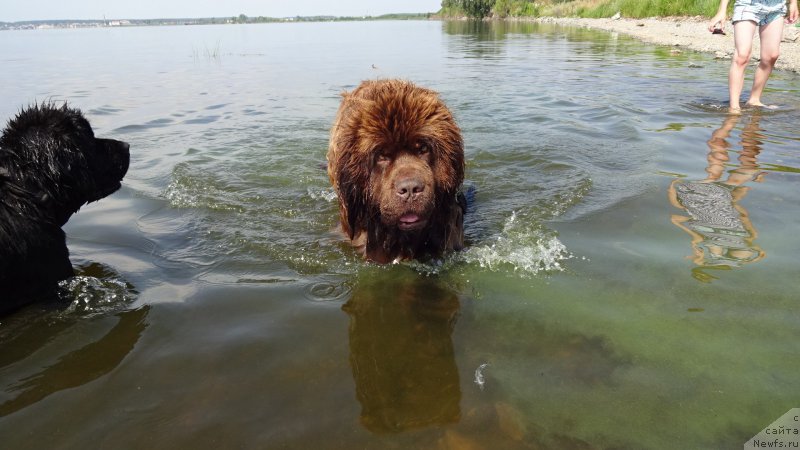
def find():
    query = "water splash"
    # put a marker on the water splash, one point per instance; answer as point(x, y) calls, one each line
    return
point(480, 379)
point(90, 295)
point(522, 247)
point(326, 194)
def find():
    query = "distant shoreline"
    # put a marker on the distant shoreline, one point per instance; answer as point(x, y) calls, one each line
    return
point(679, 32)
point(233, 20)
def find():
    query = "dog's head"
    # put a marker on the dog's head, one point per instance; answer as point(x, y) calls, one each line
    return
point(396, 152)
point(51, 153)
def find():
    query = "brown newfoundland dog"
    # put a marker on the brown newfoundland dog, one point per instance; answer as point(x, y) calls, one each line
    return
point(396, 161)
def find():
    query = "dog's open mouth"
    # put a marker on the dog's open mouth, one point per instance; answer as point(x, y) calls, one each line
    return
point(411, 221)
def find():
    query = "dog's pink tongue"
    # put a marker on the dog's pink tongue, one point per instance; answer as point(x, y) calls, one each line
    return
point(409, 218)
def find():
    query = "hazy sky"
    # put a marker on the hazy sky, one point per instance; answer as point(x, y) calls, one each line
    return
point(18, 10)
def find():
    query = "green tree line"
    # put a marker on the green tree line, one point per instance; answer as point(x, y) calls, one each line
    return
point(478, 9)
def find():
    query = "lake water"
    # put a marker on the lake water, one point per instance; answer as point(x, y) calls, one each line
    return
point(607, 298)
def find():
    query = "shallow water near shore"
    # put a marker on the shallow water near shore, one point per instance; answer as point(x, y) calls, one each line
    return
point(608, 297)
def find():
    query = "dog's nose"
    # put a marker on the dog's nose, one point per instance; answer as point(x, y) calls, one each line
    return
point(409, 188)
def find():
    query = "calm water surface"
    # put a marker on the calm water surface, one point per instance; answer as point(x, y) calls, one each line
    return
point(629, 282)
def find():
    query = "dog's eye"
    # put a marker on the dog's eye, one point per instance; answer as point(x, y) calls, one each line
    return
point(383, 159)
point(421, 148)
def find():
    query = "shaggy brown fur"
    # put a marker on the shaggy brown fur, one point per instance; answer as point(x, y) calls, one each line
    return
point(396, 160)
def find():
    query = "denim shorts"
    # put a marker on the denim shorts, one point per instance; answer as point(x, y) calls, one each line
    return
point(761, 12)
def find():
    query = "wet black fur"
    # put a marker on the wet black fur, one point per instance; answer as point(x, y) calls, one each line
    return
point(50, 165)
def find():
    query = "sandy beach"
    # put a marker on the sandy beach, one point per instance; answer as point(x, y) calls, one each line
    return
point(690, 33)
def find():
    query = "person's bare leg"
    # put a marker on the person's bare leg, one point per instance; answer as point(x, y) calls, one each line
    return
point(743, 33)
point(770, 35)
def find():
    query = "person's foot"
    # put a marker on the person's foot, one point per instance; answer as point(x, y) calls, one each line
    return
point(734, 110)
point(758, 104)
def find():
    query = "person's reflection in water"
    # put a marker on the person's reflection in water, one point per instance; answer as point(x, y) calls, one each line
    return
point(720, 227)
point(401, 352)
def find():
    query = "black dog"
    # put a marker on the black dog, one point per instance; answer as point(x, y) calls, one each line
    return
point(50, 165)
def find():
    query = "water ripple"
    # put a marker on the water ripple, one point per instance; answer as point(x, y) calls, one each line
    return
point(328, 291)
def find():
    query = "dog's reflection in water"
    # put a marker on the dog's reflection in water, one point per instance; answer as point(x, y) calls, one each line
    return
point(95, 359)
point(401, 352)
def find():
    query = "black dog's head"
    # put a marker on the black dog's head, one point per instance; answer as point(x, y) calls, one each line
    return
point(51, 154)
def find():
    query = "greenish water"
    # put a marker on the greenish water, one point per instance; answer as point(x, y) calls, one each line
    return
point(603, 301)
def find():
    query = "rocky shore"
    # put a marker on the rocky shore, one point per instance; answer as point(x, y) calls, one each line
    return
point(690, 33)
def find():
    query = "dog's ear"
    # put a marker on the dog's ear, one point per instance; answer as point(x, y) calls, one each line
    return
point(353, 204)
point(445, 136)
point(349, 166)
